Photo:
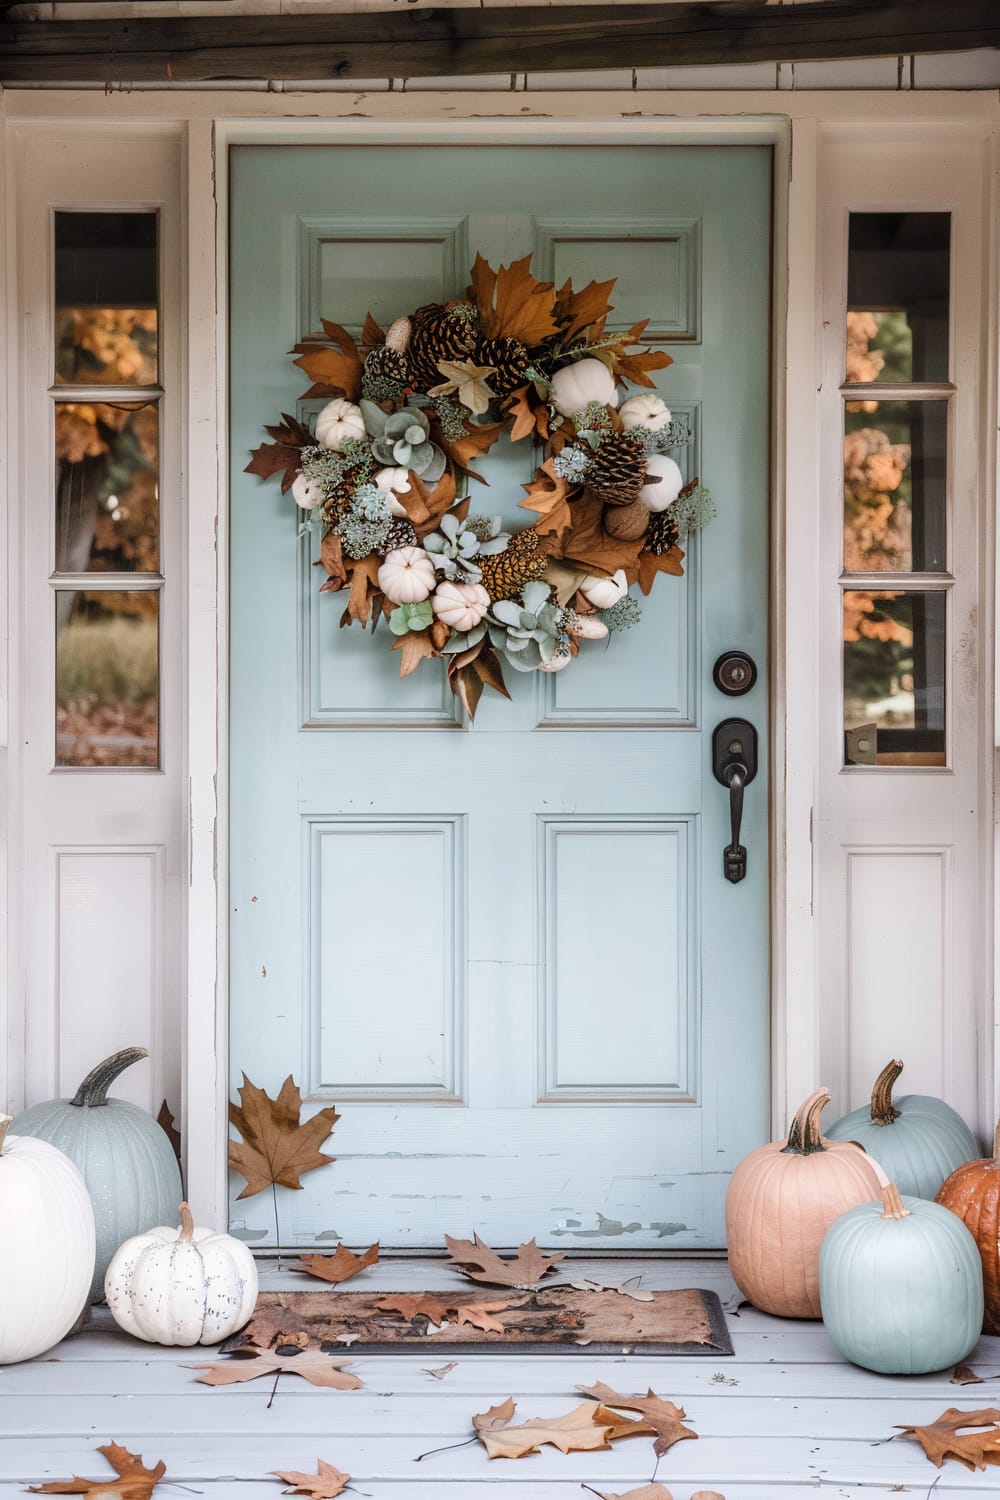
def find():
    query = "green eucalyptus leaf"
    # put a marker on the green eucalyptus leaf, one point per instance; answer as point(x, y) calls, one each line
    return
point(375, 418)
point(398, 622)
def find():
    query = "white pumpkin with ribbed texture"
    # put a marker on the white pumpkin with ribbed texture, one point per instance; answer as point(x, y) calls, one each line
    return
point(460, 605)
point(664, 482)
point(181, 1286)
point(338, 421)
point(575, 386)
point(604, 593)
point(407, 576)
point(46, 1247)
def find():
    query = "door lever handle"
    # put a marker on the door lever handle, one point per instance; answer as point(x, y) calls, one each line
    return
point(734, 762)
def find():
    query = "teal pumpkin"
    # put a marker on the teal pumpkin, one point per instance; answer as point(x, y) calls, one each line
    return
point(125, 1157)
point(901, 1286)
point(918, 1140)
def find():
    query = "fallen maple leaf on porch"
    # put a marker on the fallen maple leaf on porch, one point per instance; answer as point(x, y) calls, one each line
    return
point(477, 1261)
point(134, 1482)
point(276, 1147)
point(581, 1430)
point(323, 1485)
point(250, 1363)
point(476, 1314)
point(338, 1267)
point(941, 1440)
point(663, 1416)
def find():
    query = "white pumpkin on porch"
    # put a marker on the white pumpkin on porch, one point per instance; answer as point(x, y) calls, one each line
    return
point(181, 1286)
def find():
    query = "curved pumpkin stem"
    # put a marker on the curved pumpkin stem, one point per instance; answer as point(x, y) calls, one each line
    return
point(94, 1088)
point(892, 1203)
point(804, 1136)
point(884, 1112)
point(187, 1225)
point(5, 1124)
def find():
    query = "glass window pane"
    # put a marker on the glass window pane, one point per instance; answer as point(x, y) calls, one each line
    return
point(106, 324)
point(897, 297)
point(107, 678)
point(895, 486)
point(894, 678)
point(107, 487)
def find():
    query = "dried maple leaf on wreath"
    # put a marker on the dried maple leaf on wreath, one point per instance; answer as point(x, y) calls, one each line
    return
point(664, 1417)
point(413, 648)
point(581, 1430)
point(424, 1304)
point(326, 1483)
point(251, 1363)
point(477, 1261)
point(284, 455)
point(334, 367)
point(548, 496)
point(587, 308)
point(593, 548)
point(134, 1482)
point(514, 304)
point(651, 563)
point(462, 451)
point(338, 1267)
point(944, 1437)
point(276, 1146)
point(530, 419)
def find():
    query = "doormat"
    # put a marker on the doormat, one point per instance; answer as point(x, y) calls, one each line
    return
point(544, 1320)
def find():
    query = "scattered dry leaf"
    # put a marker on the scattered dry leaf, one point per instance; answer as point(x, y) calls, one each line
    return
point(250, 1363)
point(478, 1261)
point(663, 1416)
point(338, 1267)
point(964, 1375)
point(276, 1147)
point(476, 1314)
point(941, 1440)
point(581, 1430)
point(134, 1482)
point(323, 1485)
point(442, 1370)
point(624, 1289)
point(644, 1492)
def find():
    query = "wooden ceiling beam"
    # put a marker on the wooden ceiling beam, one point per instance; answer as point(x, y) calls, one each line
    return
point(437, 43)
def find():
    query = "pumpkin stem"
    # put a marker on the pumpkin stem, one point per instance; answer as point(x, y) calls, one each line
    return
point(94, 1088)
point(892, 1203)
point(187, 1224)
point(5, 1124)
point(804, 1136)
point(884, 1112)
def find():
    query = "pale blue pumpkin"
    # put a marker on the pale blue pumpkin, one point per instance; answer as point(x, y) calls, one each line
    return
point(125, 1157)
point(917, 1140)
point(901, 1286)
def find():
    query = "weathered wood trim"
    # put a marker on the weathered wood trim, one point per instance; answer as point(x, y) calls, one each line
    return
point(438, 42)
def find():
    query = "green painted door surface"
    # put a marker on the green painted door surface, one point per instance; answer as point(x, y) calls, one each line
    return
point(506, 951)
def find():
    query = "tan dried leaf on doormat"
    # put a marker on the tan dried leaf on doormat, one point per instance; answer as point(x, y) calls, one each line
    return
point(944, 1438)
point(476, 1260)
point(338, 1267)
point(276, 1146)
point(475, 1314)
point(325, 1484)
point(581, 1430)
point(663, 1416)
point(250, 1363)
point(134, 1482)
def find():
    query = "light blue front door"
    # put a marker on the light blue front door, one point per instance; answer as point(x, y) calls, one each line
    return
point(506, 951)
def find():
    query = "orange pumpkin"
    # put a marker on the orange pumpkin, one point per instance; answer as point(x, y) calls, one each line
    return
point(782, 1199)
point(973, 1193)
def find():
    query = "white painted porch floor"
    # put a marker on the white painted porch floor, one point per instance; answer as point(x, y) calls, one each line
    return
point(787, 1416)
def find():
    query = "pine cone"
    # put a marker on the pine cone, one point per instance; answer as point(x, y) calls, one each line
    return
point(617, 470)
point(521, 561)
point(387, 364)
point(626, 522)
point(509, 359)
point(662, 533)
point(400, 534)
point(440, 332)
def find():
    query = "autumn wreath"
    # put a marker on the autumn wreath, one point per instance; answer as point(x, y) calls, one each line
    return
point(410, 410)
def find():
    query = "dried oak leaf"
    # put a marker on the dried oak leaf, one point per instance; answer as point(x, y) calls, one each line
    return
point(941, 1440)
point(548, 495)
point(633, 367)
point(576, 311)
point(663, 1416)
point(338, 1267)
point(364, 588)
point(323, 1485)
point(476, 443)
point(334, 367)
point(514, 304)
point(480, 1263)
point(651, 563)
point(284, 455)
point(134, 1482)
point(475, 1314)
point(276, 1147)
point(249, 1364)
point(581, 1430)
point(414, 647)
point(530, 417)
point(590, 546)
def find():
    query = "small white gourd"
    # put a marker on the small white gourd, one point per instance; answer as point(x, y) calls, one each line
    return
point(575, 386)
point(587, 628)
point(394, 482)
point(460, 605)
point(306, 492)
point(648, 411)
point(602, 593)
point(407, 576)
point(659, 495)
point(181, 1286)
point(338, 421)
point(561, 657)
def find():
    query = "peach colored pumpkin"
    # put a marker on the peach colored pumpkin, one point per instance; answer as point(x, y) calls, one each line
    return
point(973, 1193)
point(782, 1199)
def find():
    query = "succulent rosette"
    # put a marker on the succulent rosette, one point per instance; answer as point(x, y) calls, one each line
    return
point(409, 410)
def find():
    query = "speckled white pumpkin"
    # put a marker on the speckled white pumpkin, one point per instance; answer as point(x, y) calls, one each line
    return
point(647, 411)
point(181, 1286)
point(339, 420)
point(668, 483)
point(306, 492)
point(602, 593)
point(576, 385)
